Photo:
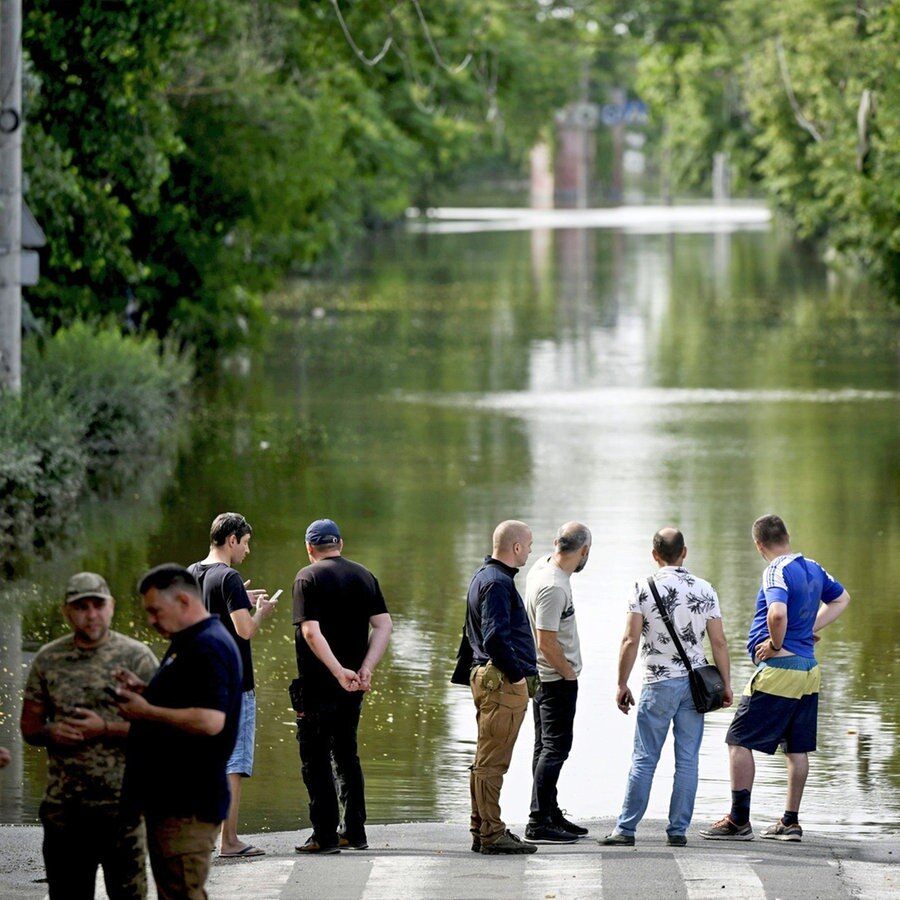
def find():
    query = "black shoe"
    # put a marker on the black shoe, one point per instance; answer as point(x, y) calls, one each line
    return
point(507, 843)
point(548, 833)
point(676, 840)
point(617, 840)
point(476, 844)
point(313, 846)
point(345, 842)
point(560, 819)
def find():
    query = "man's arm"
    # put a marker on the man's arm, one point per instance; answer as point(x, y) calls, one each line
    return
point(247, 625)
point(248, 608)
point(68, 731)
point(312, 634)
point(382, 626)
point(549, 648)
point(192, 719)
point(828, 612)
point(496, 631)
point(716, 631)
point(628, 651)
point(777, 622)
point(38, 732)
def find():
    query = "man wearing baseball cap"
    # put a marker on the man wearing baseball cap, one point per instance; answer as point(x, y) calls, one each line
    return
point(68, 709)
point(342, 630)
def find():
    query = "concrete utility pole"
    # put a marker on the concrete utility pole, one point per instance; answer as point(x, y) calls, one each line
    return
point(10, 195)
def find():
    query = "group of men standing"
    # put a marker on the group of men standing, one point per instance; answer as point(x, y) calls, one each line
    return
point(147, 758)
point(513, 648)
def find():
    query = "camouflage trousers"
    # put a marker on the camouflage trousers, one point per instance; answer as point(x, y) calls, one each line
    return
point(79, 838)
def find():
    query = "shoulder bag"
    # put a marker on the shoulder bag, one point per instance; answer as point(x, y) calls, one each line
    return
point(707, 686)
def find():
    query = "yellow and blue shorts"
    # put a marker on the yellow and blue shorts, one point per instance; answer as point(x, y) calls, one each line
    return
point(780, 705)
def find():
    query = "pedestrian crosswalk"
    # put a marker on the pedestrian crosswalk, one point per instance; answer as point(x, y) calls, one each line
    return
point(696, 874)
point(709, 875)
point(423, 862)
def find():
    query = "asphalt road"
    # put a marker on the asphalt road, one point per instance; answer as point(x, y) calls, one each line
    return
point(433, 861)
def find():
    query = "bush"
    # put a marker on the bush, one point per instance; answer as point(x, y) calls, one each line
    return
point(93, 406)
point(123, 392)
point(42, 470)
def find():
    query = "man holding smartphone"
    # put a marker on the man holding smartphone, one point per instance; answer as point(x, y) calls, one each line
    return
point(70, 708)
point(242, 612)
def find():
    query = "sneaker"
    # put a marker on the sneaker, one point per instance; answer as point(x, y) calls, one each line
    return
point(617, 839)
point(548, 833)
point(560, 820)
point(676, 840)
point(781, 832)
point(345, 843)
point(313, 846)
point(476, 844)
point(507, 843)
point(726, 829)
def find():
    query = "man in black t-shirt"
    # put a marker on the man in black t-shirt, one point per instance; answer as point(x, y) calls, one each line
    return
point(241, 612)
point(342, 630)
point(183, 726)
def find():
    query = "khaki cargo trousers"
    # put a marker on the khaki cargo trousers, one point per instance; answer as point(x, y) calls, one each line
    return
point(499, 711)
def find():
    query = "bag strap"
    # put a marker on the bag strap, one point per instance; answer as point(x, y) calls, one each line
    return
point(668, 623)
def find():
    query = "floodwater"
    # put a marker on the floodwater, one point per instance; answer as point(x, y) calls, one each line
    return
point(694, 375)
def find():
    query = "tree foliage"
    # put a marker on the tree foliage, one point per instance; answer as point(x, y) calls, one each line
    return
point(184, 155)
point(802, 95)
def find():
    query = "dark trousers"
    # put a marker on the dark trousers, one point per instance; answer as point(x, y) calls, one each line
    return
point(554, 717)
point(79, 838)
point(326, 733)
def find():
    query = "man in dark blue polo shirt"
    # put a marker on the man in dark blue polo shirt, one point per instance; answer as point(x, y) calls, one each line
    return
point(184, 724)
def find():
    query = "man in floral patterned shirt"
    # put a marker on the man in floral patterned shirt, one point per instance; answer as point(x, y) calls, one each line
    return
point(666, 699)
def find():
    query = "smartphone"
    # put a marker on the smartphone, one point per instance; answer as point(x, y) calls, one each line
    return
point(276, 595)
point(114, 694)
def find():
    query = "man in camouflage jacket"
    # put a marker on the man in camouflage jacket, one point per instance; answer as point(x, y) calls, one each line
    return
point(70, 708)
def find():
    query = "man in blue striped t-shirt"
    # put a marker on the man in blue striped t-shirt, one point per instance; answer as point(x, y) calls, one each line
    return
point(780, 704)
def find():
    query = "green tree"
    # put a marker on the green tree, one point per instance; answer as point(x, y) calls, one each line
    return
point(186, 155)
point(803, 96)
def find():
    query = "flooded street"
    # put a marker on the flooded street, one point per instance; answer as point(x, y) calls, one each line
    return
point(443, 382)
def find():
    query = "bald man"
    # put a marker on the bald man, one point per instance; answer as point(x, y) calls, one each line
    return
point(503, 657)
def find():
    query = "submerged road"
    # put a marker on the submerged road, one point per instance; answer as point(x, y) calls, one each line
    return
point(432, 861)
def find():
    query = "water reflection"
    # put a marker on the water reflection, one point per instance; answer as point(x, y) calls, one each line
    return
point(628, 380)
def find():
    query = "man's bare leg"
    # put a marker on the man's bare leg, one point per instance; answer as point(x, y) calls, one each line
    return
point(230, 842)
point(797, 772)
point(743, 768)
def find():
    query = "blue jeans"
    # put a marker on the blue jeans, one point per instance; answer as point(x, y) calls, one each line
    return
point(663, 703)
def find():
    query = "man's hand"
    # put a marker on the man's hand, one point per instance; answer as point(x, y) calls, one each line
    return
point(624, 699)
point(64, 732)
point(132, 704)
point(365, 679)
point(256, 595)
point(5, 757)
point(264, 606)
point(349, 680)
point(129, 681)
point(86, 721)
